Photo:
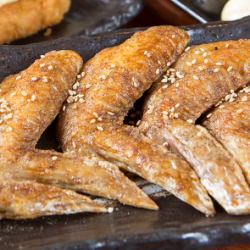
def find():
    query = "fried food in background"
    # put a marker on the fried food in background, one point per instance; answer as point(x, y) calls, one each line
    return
point(25, 17)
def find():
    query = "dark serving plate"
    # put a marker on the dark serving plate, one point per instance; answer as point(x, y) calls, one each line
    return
point(91, 17)
point(175, 226)
point(202, 10)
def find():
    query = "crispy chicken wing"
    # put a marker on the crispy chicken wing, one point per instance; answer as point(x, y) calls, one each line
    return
point(26, 109)
point(206, 74)
point(29, 102)
point(23, 18)
point(92, 121)
point(230, 124)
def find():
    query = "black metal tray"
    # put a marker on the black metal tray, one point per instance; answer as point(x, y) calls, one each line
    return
point(90, 17)
point(175, 226)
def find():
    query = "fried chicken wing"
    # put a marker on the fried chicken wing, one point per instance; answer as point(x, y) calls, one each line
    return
point(92, 120)
point(23, 18)
point(207, 73)
point(30, 101)
point(230, 124)
point(28, 200)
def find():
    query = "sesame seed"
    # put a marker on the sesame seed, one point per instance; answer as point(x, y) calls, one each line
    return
point(194, 61)
point(165, 86)
point(197, 52)
point(177, 105)
point(18, 77)
point(206, 61)
point(54, 158)
point(227, 45)
point(209, 115)
point(190, 121)
point(173, 36)
point(229, 68)
point(76, 86)
point(99, 128)
point(50, 67)
point(221, 106)
point(112, 66)
point(95, 115)
point(42, 56)
point(88, 86)
point(187, 49)
point(177, 85)
point(189, 63)
point(42, 65)
point(63, 108)
point(219, 63)
point(33, 98)
point(165, 144)
point(200, 68)
point(216, 70)
point(45, 79)
point(157, 71)
point(176, 115)
point(79, 76)
point(83, 74)
point(146, 53)
point(168, 64)
point(195, 77)
point(138, 122)
point(34, 79)
point(110, 210)
point(111, 113)
point(204, 54)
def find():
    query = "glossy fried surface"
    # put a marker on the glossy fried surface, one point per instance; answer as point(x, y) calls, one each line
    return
point(28, 200)
point(230, 124)
point(92, 120)
point(204, 76)
point(29, 102)
point(204, 79)
point(26, 17)
point(219, 173)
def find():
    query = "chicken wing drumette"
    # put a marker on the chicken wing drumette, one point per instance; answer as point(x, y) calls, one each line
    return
point(92, 120)
point(205, 74)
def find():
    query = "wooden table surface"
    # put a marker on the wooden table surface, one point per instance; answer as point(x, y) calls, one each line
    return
point(158, 12)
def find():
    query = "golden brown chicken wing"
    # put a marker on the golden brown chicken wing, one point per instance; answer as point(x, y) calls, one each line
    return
point(23, 18)
point(230, 124)
point(30, 101)
point(92, 120)
point(26, 109)
point(204, 75)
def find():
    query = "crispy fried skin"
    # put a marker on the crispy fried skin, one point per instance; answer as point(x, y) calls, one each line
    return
point(230, 124)
point(186, 100)
point(26, 17)
point(32, 99)
point(27, 108)
point(28, 200)
point(199, 90)
point(112, 81)
point(219, 173)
